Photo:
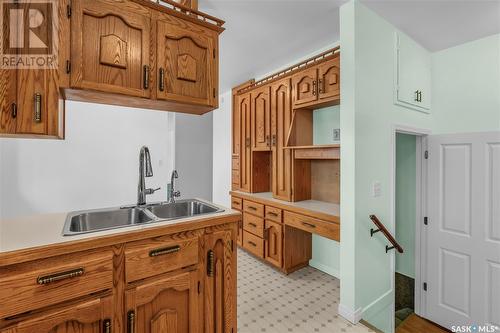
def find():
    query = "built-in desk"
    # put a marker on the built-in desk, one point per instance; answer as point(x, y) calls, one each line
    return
point(279, 232)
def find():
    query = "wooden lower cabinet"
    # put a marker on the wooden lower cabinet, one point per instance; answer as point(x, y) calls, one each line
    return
point(182, 282)
point(89, 316)
point(220, 283)
point(273, 245)
point(168, 304)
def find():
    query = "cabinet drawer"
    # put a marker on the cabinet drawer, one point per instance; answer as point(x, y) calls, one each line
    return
point(253, 224)
point(156, 256)
point(35, 285)
point(237, 203)
point(236, 163)
point(253, 244)
point(273, 214)
point(253, 208)
point(323, 228)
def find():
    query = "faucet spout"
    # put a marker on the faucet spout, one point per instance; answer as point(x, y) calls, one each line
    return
point(145, 170)
point(172, 193)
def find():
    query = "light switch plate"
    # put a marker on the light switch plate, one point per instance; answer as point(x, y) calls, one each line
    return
point(377, 189)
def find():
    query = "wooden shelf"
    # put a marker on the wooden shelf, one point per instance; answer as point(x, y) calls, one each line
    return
point(316, 152)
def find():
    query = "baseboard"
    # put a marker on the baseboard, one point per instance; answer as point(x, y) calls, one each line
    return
point(354, 316)
point(324, 268)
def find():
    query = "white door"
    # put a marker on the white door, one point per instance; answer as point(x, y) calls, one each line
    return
point(463, 231)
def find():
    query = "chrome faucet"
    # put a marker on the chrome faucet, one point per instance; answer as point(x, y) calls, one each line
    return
point(145, 170)
point(172, 193)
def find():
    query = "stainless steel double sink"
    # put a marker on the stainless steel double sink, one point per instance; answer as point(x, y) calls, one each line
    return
point(112, 218)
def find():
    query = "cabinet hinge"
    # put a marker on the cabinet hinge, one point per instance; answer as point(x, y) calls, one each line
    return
point(426, 220)
point(68, 66)
point(68, 11)
point(425, 286)
point(426, 154)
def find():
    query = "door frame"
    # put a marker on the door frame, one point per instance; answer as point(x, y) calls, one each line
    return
point(421, 194)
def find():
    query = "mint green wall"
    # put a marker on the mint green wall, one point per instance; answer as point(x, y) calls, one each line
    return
point(406, 174)
point(368, 117)
point(325, 252)
point(466, 87)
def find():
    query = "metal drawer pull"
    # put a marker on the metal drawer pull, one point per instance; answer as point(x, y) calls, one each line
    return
point(164, 251)
point(107, 326)
point(131, 321)
point(309, 225)
point(252, 243)
point(236, 203)
point(210, 263)
point(320, 86)
point(314, 88)
point(252, 208)
point(253, 224)
point(146, 77)
point(161, 80)
point(273, 214)
point(38, 108)
point(42, 280)
point(14, 110)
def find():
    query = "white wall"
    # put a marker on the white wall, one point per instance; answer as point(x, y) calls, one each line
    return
point(193, 155)
point(222, 141)
point(96, 166)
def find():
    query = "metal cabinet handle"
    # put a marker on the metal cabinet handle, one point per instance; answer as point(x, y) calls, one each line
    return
point(146, 77)
point(38, 108)
point(314, 87)
point(320, 86)
point(252, 243)
point(416, 95)
point(161, 80)
point(268, 140)
point(107, 326)
point(308, 225)
point(210, 263)
point(272, 214)
point(253, 224)
point(131, 321)
point(252, 208)
point(46, 279)
point(14, 110)
point(273, 140)
point(420, 96)
point(164, 251)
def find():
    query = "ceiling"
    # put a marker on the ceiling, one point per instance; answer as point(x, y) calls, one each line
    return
point(264, 35)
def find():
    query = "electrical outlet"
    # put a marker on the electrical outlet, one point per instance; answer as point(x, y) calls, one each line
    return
point(336, 134)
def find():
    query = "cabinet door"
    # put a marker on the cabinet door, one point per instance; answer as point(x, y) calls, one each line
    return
point(37, 102)
point(220, 283)
point(186, 63)
point(8, 100)
point(305, 88)
point(110, 47)
point(413, 84)
point(168, 304)
point(273, 244)
point(329, 80)
point(91, 316)
point(261, 119)
point(281, 120)
point(245, 152)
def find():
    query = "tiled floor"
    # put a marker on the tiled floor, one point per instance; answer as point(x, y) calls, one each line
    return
point(302, 302)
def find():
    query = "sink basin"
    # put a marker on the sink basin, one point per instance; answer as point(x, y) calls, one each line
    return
point(113, 218)
point(181, 208)
point(89, 221)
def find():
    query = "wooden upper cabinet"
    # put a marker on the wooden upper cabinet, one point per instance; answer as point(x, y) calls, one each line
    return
point(168, 304)
point(281, 120)
point(89, 316)
point(187, 62)
point(329, 79)
point(245, 152)
point(305, 87)
point(110, 47)
point(8, 100)
point(261, 118)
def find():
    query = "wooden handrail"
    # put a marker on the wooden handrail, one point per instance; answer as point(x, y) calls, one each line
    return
point(387, 234)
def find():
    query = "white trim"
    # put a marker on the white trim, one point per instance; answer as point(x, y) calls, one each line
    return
point(354, 316)
point(420, 202)
point(324, 268)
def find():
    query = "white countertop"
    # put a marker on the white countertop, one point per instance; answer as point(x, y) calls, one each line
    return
point(312, 205)
point(42, 230)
